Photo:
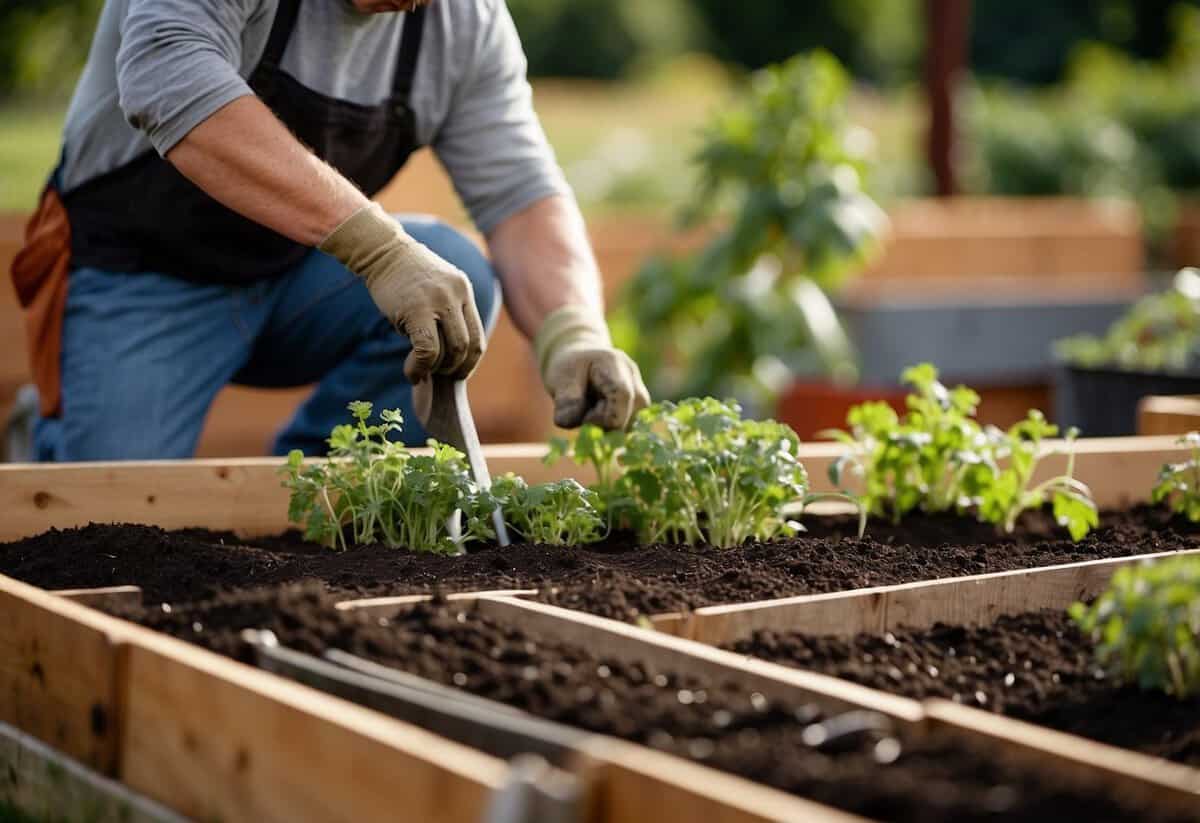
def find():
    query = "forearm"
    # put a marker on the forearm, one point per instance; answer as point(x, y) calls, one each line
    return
point(545, 262)
point(243, 157)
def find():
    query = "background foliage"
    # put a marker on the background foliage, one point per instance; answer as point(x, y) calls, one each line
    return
point(42, 41)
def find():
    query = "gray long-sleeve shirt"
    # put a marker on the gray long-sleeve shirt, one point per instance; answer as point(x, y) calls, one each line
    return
point(158, 68)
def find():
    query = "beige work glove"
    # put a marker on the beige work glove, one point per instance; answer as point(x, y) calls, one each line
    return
point(588, 379)
point(424, 297)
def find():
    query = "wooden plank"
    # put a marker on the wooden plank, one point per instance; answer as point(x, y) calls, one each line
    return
point(214, 739)
point(635, 783)
point(974, 599)
point(240, 495)
point(390, 606)
point(662, 652)
point(103, 596)
point(1149, 780)
point(58, 676)
point(672, 623)
point(46, 785)
point(219, 740)
point(1054, 754)
point(1169, 414)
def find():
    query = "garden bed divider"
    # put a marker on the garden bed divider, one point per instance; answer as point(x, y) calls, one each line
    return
point(1150, 779)
point(1146, 778)
point(103, 596)
point(245, 496)
point(977, 598)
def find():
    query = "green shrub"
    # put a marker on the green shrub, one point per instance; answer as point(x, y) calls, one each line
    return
point(749, 310)
point(1147, 626)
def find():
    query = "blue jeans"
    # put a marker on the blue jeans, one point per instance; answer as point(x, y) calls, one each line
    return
point(145, 354)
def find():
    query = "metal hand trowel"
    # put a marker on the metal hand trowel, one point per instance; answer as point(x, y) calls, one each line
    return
point(442, 407)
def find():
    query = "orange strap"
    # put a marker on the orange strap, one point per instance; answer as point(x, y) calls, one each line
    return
point(39, 273)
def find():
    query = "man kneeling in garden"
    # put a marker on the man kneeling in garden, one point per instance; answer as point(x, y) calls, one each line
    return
point(209, 223)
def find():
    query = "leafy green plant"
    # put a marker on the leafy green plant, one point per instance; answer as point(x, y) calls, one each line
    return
point(372, 489)
point(932, 459)
point(562, 513)
point(1179, 483)
point(749, 310)
point(937, 458)
point(696, 472)
point(1008, 494)
point(1161, 332)
point(1147, 626)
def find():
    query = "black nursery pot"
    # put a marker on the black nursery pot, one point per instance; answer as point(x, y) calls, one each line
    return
point(1104, 402)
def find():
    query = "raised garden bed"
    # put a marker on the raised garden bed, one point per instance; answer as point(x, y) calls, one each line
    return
point(751, 723)
point(1001, 643)
point(95, 686)
point(244, 498)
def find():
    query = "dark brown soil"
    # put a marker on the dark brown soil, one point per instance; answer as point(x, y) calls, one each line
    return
point(879, 772)
point(614, 579)
point(1036, 667)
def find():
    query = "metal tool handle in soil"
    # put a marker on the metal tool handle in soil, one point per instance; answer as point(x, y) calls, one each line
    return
point(443, 408)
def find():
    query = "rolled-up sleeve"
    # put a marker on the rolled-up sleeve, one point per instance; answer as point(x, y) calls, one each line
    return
point(179, 63)
point(492, 142)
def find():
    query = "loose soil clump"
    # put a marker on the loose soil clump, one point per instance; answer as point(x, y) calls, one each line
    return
point(616, 578)
point(1036, 667)
point(878, 770)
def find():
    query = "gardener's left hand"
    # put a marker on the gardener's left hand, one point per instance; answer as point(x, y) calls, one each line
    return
point(589, 379)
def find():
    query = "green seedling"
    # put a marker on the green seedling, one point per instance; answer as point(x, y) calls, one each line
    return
point(1179, 483)
point(931, 460)
point(695, 472)
point(937, 458)
point(1008, 494)
point(563, 513)
point(1147, 626)
point(374, 490)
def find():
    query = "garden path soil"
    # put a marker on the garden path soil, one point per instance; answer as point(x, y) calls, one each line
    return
point(1036, 667)
point(880, 773)
point(613, 579)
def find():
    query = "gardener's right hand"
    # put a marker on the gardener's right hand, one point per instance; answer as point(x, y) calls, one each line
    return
point(424, 297)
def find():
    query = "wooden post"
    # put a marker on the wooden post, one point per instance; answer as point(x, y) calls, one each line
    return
point(948, 23)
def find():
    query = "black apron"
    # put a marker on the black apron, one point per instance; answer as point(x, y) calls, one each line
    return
point(146, 216)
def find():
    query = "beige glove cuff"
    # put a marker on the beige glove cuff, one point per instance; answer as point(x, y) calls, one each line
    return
point(371, 242)
point(568, 329)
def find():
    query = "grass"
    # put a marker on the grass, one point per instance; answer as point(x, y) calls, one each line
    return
point(624, 147)
point(29, 138)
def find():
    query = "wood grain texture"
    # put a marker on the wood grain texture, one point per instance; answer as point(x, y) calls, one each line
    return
point(58, 675)
point(635, 783)
point(1168, 414)
point(219, 740)
point(240, 495)
point(245, 495)
point(662, 652)
point(47, 785)
point(1145, 780)
point(959, 600)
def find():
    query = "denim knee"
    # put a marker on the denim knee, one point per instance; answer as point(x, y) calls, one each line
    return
point(455, 247)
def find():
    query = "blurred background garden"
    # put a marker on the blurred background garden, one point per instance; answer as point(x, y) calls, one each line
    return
point(734, 211)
